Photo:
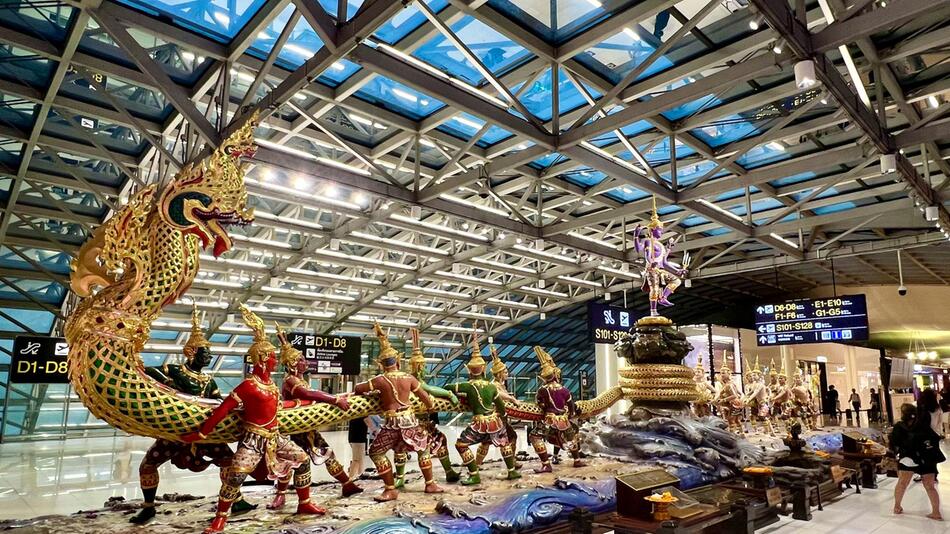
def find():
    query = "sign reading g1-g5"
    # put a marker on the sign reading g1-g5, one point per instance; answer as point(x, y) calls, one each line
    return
point(39, 360)
point(607, 323)
point(329, 355)
point(843, 318)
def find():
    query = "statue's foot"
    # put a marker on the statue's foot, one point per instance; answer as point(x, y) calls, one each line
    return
point(664, 302)
point(545, 468)
point(452, 476)
point(144, 516)
point(399, 483)
point(278, 502)
point(434, 488)
point(513, 475)
point(351, 488)
point(387, 495)
point(217, 524)
point(242, 507)
point(472, 480)
point(308, 508)
point(580, 463)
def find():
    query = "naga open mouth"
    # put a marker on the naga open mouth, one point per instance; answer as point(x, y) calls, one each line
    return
point(216, 221)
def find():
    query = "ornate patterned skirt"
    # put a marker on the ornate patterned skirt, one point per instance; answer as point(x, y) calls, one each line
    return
point(485, 429)
point(280, 454)
point(400, 432)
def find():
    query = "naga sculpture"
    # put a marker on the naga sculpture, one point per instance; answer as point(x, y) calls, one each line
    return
point(145, 258)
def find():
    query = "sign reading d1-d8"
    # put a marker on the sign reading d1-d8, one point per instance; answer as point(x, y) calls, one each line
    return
point(39, 360)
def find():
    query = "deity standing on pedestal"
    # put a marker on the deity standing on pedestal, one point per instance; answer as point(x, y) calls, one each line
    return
point(660, 276)
point(260, 399)
point(802, 407)
point(296, 387)
point(438, 444)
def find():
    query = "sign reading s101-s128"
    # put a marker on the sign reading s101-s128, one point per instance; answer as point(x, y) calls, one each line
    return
point(823, 320)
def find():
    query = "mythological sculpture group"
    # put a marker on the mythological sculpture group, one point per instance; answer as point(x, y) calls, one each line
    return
point(761, 404)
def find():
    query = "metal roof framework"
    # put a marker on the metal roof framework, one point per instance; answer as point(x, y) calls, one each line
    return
point(460, 164)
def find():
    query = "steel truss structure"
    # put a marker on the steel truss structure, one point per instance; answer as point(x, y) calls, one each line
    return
point(471, 164)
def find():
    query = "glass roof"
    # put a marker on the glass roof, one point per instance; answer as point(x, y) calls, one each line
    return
point(557, 20)
point(220, 20)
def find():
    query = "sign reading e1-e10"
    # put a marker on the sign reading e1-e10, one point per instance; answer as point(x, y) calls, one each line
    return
point(823, 320)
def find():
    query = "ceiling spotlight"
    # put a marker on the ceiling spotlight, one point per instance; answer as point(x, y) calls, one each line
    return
point(804, 72)
point(777, 47)
point(465, 226)
point(933, 101)
point(502, 235)
point(755, 23)
point(544, 316)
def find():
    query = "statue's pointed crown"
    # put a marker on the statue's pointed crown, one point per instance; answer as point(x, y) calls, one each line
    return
point(417, 357)
point(197, 337)
point(388, 356)
point(497, 366)
point(289, 355)
point(548, 367)
point(261, 346)
point(475, 361)
point(655, 218)
point(784, 371)
point(755, 367)
point(772, 370)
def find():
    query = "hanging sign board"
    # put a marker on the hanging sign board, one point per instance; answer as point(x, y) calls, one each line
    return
point(607, 323)
point(329, 355)
point(39, 360)
point(833, 319)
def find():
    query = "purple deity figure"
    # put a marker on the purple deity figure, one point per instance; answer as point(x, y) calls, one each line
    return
point(660, 276)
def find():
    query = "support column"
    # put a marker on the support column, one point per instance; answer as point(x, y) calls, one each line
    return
point(606, 364)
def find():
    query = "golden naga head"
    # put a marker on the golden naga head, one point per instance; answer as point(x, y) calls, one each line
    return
point(261, 349)
point(205, 198)
point(197, 338)
point(289, 355)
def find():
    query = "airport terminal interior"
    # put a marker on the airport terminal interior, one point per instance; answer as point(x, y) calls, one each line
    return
point(474, 266)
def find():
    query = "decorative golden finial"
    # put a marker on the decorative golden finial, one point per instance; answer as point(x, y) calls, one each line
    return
point(388, 356)
point(476, 364)
point(784, 371)
point(289, 355)
point(772, 371)
point(197, 338)
point(498, 367)
point(655, 218)
point(756, 368)
point(548, 368)
point(262, 347)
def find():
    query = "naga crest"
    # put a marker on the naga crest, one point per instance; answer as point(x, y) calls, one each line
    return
point(205, 198)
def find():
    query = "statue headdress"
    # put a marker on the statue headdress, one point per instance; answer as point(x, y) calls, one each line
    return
point(289, 355)
point(549, 369)
point(784, 371)
point(772, 371)
point(388, 356)
point(417, 358)
point(655, 218)
point(725, 367)
point(197, 338)
point(497, 366)
point(755, 367)
point(476, 364)
point(261, 347)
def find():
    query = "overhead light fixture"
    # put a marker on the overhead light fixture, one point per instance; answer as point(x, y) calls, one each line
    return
point(804, 72)
point(777, 47)
point(755, 23)
point(544, 316)
point(933, 101)
point(888, 163)
point(932, 213)
point(607, 297)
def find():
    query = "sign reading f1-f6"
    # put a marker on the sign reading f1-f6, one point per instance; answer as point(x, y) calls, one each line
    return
point(832, 319)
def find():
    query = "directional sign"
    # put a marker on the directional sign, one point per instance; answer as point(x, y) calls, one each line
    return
point(329, 355)
point(39, 360)
point(607, 323)
point(834, 319)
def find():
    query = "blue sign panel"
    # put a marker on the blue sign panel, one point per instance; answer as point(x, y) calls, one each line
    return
point(607, 323)
point(824, 320)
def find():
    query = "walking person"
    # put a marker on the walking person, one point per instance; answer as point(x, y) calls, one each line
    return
point(874, 411)
point(917, 448)
point(855, 401)
point(358, 436)
point(831, 402)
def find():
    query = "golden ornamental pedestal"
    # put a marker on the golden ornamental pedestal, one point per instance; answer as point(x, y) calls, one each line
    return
point(654, 350)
